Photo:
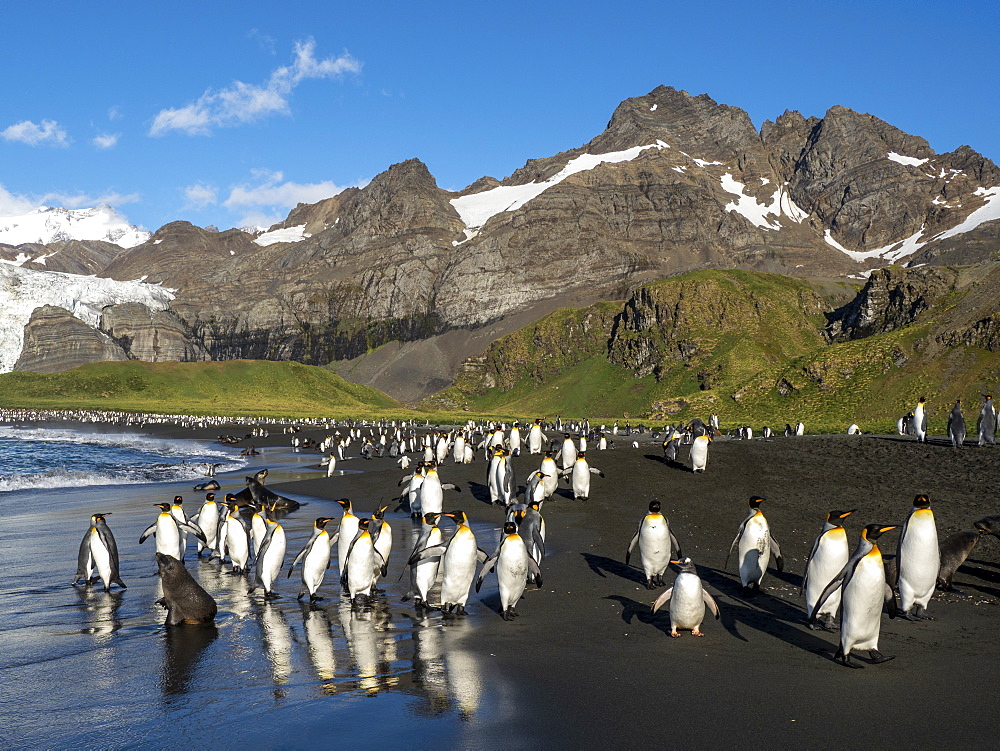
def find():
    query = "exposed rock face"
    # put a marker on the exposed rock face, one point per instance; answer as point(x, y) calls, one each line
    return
point(54, 341)
point(683, 320)
point(69, 256)
point(893, 298)
point(148, 335)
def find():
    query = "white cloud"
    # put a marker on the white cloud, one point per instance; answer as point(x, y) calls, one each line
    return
point(269, 198)
point(243, 103)
point(106, 140)
point(13, 204)
point(48, 133)
point(114, 113)
point(199, 196)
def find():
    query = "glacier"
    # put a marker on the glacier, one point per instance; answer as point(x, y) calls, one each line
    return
point(23, 290)
point(48, 224)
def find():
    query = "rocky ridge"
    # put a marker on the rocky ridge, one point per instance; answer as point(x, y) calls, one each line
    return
point(674, 183)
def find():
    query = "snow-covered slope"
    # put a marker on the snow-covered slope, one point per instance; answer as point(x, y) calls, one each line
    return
point(48, 224)
point(23, 290)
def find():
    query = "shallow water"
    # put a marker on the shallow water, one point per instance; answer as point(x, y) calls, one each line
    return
point(83, 668)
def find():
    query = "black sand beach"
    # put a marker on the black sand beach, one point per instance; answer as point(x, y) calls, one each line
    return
point(586, 664)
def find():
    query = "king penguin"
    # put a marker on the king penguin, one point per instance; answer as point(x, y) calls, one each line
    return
point(864, 589)
point(830, 553)
point(315, 558)
point(99, 549)
point(919, 560)
point(956, 425)
point(987, 423)
point(699, 453)
point(920, 420)
point(756, 546)
point(688, 599)
point(270, 559)
point(655, 544)
point(513, 566)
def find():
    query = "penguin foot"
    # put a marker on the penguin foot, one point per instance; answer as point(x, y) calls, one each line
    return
point(953, 588)
point(272, 596)
point(697, 632)
point(377, 591)
point(460, 610)
point(650, 584)
point(815, 626)
point(878, 658)
point(674, 634)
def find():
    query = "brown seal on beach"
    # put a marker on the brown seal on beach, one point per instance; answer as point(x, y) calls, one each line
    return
point(184, 598)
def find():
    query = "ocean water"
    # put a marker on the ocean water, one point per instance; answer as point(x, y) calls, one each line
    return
point(84, 668)
point(37, 457)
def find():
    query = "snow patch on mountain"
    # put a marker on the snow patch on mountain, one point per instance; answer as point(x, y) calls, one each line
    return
point(893, 252)
point(757, 213)
point(48, 224)
point(23, 290)
point(476, 209)
point(909, 161)
point(285, 235)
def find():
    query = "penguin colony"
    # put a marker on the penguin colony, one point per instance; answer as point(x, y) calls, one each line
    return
point(843, 591)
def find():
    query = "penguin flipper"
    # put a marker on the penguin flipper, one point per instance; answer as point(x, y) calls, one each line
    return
point(381, 569)
point(405, 479)
point(481, 555)
point(149, 530)
point(488, 566)
point(631, 545)
point(193, 529)
point(83, 560)
point(429, 552)
point(596, 471)
point(533, 569)
point(677, 545)
point(299, 557)
point(776, 552)
point(712, 604)
point(663, 598)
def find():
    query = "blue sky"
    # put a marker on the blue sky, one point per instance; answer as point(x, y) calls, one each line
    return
point(228, 113)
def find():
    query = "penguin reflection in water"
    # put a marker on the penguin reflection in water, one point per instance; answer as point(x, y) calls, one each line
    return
point(863, 590)
point(688, 599)
point(514, 567)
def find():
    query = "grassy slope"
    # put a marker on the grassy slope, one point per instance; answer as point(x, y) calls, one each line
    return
point(871, 381)
point(237, 387)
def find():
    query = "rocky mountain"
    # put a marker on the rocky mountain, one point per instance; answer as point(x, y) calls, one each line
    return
point(405, 280)
point(49, 224)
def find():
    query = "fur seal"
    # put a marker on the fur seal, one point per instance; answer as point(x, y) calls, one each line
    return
point(184, 598)
point(255, 494)
point(210, 485)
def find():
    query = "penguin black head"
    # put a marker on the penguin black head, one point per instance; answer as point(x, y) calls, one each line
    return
point(164, 507)
point(654, 507)
point(922, 399)
point(209, 496)
point(838, 516)
point(379, 513)
point(230, 498)
point(459, 517)
point(534, 505)
point(178, 500)
point(874, 531)
point(321, 522)
point(684, 564)
point(922, 501)
point(431, 519)
point(345, 503)
point(509, 528)
point(755, 501)
point(363, 523)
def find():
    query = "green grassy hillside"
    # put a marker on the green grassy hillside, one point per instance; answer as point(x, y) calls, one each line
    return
point(745, 345)
point(236, 387)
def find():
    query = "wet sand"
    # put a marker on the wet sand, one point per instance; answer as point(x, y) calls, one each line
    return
point(596, 667)
point(586, 664)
